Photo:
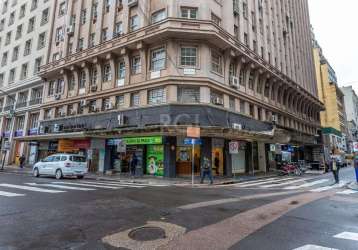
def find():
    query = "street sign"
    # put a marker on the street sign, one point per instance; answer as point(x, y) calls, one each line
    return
point(192, 141)
point(233, 147)
point(6, 145)
point(273, 147)
point(355, 146)
point(193, 132)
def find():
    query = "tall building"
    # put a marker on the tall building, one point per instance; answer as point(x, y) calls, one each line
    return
point(129, 77)
point(351, 107)
point(24, 32)
point(333, 118)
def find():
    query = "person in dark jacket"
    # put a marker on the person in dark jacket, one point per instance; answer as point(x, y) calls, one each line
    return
point(133, 164)
point(206, 170)
point(22, 161)
point(335, 169)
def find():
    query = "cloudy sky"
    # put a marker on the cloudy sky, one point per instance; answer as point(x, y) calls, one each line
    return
point(335, 24)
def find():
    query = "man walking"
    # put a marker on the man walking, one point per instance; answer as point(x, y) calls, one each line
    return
point(133, 164)
point(206, 170)
point(22, 161)
point(335, 169)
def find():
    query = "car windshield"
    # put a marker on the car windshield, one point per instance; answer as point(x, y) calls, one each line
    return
point(78, 158)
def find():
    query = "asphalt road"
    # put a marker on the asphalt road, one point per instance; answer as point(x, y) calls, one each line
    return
point(284, 213)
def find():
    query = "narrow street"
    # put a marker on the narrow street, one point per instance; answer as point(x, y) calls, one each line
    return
point(276, 213)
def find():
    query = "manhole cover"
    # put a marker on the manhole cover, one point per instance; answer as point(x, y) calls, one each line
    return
point(147, 233)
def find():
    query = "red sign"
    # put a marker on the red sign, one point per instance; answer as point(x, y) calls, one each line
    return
point(82, 144)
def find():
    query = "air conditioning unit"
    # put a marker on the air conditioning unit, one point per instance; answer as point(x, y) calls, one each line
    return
point(237, 126)
point(72, 112)
point(94, 88)
point(132, 3)
point(234, 82)
point(57, 97)
point(61, 113)
point(94, 109)
point(56, 128)
point(83, 103)
point(120, 82)
point(218, 101)
point(70, 29)
point(108, 106)
point(274, 118)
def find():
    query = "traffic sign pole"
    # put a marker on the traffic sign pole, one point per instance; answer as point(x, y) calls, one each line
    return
point(192, 165)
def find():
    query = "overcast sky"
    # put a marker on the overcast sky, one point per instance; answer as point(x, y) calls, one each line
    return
point(335, 24)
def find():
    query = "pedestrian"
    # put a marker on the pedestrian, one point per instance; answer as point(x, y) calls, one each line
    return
point(217, 163)
point(22, 161)
point(206, 170)
point(133, 164)
point(335, 169)
point(356, 165)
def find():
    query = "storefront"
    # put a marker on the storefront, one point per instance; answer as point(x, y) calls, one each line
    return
point(148, 153)
point(238, 152)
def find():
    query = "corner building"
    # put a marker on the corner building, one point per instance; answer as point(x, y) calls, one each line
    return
point(129, 77)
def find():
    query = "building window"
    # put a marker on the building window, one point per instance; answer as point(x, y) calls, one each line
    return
point(119, 101)
point(4, 59)
point(216, 62)
point(118, 30)
point(60, 86)
point(37, 66)
point(246, 39)
point(1, 81)
point(83, 17)
point(251, 80)
point(107, 74)
point(245, 10)
point(59, 35)
point(44, 17)
point(104, 34)
point(136, 65)
point(62, 9)
point(252, 110)
point(159, 16)
point(188, 56)
point(215, 19)
point(71, 82)
point(18, 32)
point(69, 48)
point(157, 59)
point(80, 45)
point(189, 13)
point(82, 80)
point(15, 53)
point(24, 71)
point(12, 18)
point(20, 122)
point(8, 38)
point(107, 5)
point(34, 4)
point(134, 23)
point(135, 99)
point(242, 107)
point(189, 95)
point(94, 75)
point(232, 103)
point(156, 96)
point(34, 120)
point(22, 11)
point(51, 88)
point(31, 25)
point(2, 24)
point(121, 70)
point(41, 40)
point(91, 42)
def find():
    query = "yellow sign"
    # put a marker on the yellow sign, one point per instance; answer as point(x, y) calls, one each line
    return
point(193, 132)
point(66, 146)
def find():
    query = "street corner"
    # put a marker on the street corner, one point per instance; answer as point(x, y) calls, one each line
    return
point(152, 235)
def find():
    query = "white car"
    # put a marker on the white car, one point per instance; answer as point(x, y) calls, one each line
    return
point(61, 165)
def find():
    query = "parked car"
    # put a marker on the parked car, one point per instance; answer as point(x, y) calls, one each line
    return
point(61, 165)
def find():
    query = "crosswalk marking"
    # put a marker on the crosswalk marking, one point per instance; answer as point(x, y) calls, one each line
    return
point(310, 184)
point(113, 184)
point(86, 185)
point(28, 188)
point(136, 183)
point(283, 183)
point(314, 247)
point(326, 188)
point(257, 181)
point(347, 192)
point(264, 182)
point(61, 186)
point(8, 194)
point(347, 236)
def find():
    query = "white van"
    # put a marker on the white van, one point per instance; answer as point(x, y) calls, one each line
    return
point(61, 165)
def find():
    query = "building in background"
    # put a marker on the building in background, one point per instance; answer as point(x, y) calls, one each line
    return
point(128, 77)
point(351, 107)
point(333, 118)
point(25, 29)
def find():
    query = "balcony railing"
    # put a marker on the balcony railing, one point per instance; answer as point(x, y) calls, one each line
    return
point(21, 105)
point(8, 107)
point(35, 101)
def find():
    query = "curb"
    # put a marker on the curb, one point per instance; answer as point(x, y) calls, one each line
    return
point(353, 186)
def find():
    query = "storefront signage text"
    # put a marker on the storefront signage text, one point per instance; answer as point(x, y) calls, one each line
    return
point(143, 140)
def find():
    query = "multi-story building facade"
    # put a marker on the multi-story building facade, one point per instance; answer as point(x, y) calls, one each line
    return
point(128, 77)
point(333, 118)
point(24, 32)
point(351, 107)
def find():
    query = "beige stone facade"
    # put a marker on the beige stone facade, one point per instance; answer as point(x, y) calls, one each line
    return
point(252, 57)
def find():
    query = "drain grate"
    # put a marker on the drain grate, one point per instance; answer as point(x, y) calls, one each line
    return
point(147, 233)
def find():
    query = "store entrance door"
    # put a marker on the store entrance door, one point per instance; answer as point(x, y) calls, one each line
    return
point(217, 159)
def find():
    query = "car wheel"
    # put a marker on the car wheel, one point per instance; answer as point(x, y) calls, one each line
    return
point(58, 174)
point(36, 172)
point(80, 177)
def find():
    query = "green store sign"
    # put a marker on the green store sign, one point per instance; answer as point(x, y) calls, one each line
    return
point(144, 140)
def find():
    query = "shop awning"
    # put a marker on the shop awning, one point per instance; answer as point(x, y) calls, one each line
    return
point(45, 137)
